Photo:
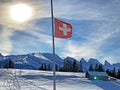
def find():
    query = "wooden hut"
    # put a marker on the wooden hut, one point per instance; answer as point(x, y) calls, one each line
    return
point(94, 75)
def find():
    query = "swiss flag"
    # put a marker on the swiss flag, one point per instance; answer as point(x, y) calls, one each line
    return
point(62, 29)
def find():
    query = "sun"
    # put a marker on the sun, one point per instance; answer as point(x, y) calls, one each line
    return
point(20, 12)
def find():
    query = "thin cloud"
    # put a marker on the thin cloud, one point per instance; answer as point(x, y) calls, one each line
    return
point(103, 17)
point(5, 43)
point(78, 51)
point(88, 10)
point(94, 40)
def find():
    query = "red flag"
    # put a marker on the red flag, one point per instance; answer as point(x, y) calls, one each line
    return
point(62, 29)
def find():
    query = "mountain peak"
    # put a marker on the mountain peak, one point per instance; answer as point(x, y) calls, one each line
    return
point(39, 55)
point(107, 63)
point(59, 61)
point(93, 61)
point(70, 58)
point(82, 60)
point(36, 60)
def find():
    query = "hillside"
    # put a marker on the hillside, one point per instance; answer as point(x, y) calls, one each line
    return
point(42, 80)
point(43, 61)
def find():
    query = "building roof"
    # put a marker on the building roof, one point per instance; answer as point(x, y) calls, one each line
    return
point(95, 73)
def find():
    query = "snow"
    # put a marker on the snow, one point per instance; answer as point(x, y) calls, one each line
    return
point(117, 65)
point(85, 65)
point(93, 61)
point(35, 60)
point(59, 61)
point(1, 56)
point(107, 65)
point(38, 55)
point(17, 79)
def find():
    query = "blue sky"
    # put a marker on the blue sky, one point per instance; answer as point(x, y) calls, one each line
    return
point(96, 29)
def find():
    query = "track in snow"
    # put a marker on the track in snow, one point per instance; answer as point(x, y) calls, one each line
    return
point(43, 80)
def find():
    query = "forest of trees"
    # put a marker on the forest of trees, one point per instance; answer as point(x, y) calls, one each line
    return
point(45, 67)
point(98, 67)
point(10, 64)
point(113, 73)
point(69, 66)
point(72, 66)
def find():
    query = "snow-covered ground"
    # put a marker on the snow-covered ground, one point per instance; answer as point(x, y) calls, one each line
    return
point(43, 80)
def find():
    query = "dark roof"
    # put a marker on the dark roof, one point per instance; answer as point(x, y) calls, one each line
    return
point(95, 73)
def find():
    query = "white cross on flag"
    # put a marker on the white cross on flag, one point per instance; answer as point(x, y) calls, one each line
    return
point(62, 29)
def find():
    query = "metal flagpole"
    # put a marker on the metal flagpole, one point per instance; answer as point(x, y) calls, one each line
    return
point(53, 42)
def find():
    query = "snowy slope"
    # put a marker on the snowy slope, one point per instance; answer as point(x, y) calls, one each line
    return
point(3, 62)
point(35, 60)
point(107, 65)
point(59, 61)
point(29, 61)
point(70, 59)
point(43, 80)
point(93, 62)
point(85, 65)
point(1, 57)
point(117, 65)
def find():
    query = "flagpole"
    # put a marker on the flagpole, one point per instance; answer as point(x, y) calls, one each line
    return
point(53, 43)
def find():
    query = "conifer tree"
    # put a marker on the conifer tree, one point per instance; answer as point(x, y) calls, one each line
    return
point(96, 67)
point(75, 67)
point(100, 68)
point(91, 67)
point(49, 67)
point(113, 73)
point(118, 74)
point(81, 68)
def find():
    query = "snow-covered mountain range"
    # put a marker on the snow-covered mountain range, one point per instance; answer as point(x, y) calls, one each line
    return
point(36, 61)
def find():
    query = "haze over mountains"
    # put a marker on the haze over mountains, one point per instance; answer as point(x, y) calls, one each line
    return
point(93, 38)
point(35, 61)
